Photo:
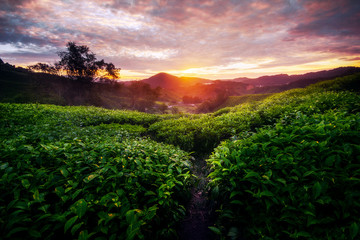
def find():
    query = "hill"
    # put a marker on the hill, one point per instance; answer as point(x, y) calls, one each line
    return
point(285, 167)
point(163, 80)
point(206, 89)
point(284, 79)
point(23, 86)
point(19, 85)
point(232, 101)
point(171, 82)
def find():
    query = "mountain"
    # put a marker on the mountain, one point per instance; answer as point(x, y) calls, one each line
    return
point(163, 80)
point(177, 87)
point(282, 79)
point(171, 82)
point(195, 87)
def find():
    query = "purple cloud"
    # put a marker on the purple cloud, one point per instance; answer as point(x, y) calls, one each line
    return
point(329, 19)
point(160, 35)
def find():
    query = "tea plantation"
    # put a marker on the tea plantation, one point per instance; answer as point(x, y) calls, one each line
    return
point(285, 167)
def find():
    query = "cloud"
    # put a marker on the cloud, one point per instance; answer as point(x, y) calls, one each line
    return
point(12, 5)
point(160, 35)
point(12, 30)
point(352, 59)
point(329, 19)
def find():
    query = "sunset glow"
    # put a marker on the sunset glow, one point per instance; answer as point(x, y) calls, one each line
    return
point(215, 39)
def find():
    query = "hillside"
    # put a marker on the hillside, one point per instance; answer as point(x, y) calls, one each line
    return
point(284, 79)
point(163, 80)
point(210, 89)
point(19, 85)
point(160, 93)
point(288, 163)
point(233, 101)
point(171, 82)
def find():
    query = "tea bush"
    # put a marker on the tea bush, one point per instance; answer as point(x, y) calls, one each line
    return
point(296, 179)
point(73, 179)
point(205, 132)
point(288, 170)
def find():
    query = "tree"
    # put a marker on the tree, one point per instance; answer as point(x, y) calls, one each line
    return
point(191, 100)
point(142, 96)
point(212, 104)
point(43, 67)
point(81, 64)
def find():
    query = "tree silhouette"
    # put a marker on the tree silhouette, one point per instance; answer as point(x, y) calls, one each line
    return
point(43, 67)
point(81, 64)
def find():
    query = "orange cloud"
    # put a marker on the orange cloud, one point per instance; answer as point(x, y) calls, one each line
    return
point(204, 37)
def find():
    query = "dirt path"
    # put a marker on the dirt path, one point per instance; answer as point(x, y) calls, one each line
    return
point(199, 210)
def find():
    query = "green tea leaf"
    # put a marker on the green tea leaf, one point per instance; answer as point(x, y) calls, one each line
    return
point(252, 174)
point(80, 207)
point(90, 178)
point(316, 190)
point(130, 216)
point(308, 173)
point(64, 172)
point(215, 230)
point(75, 228)
point(35, 234)
point(303, 234)
point(266, 194)
point(15, 230)
point(281, 180)
point(75, 194)
point(354, 230)
point(69, 223)
point(234, 193)
point(36, 195)
point(3, 166)
point(236, 202)
point(26, 184)
point(148, 193)
point(83, 235)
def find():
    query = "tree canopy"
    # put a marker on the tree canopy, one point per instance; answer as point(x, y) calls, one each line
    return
point(43, 67)
point(81, 64)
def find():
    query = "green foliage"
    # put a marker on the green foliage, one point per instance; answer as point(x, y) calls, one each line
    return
point(233, 101)
point(66, 174)
point(204, 132)
point(295, 179)
point(50, 115)
point(289, 168)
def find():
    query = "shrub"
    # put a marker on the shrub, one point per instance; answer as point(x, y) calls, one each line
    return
point(292, 180)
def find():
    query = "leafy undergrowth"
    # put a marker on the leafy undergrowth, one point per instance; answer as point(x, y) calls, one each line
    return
point(61, 180)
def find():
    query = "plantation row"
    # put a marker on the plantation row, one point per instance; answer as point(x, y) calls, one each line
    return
point(61, 180)
point(202, 133)
point(298, 176)
point(292, 180)
point(287, 170)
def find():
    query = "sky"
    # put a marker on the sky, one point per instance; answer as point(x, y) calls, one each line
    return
point(215, 39)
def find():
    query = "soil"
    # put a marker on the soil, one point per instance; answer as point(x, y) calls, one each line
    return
point(200, 212)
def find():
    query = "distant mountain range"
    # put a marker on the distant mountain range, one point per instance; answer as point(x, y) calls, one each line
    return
point(282, 79)
point(171, 82)
point(22, 85)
